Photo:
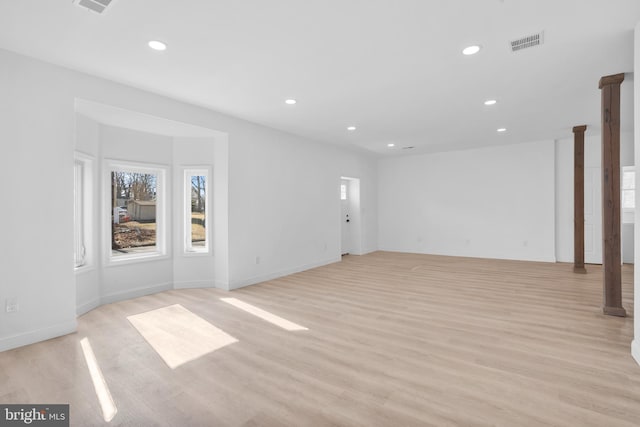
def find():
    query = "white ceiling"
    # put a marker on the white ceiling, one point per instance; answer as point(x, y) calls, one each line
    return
point(393, 68)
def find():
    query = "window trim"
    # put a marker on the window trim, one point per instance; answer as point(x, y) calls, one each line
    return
point(188, 172)
point(86, 210)
point(162, 226)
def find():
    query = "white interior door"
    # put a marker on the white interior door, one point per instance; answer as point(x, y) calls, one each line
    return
point(344, 218)
point(592, 216)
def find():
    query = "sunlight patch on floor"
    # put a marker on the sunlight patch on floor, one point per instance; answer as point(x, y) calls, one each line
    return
point(107, 404)
point(264, 315)
point(178, 335)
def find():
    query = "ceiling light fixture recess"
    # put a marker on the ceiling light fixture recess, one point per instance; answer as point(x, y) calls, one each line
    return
point(351, 128)
point(157, 45)
point(98, 6)
point(290, 101)
point(501, 130)
point(490, 102)
point(471, 50)
point(391, 145)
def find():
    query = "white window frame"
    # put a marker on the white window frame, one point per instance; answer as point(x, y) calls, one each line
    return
point(189, 249)
point(628, 214)
point(162, 227)
point(83, 211)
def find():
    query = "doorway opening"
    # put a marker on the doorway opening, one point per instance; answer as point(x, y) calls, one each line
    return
point(350, 216)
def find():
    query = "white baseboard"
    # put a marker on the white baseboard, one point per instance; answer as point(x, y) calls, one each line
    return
point(218, 284)
point(546, 258)
point(635, 350)
point(194, 284)
point(87, 306)
point(135, 293)
point(270, 276)
point(38, 335)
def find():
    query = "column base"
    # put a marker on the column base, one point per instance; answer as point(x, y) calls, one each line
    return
point(579, 270)
point(614, 311)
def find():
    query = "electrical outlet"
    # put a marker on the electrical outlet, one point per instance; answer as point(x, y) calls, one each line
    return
point(11, 305)
point(257, 260)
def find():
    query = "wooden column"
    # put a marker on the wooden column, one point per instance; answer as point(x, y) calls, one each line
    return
point(611, 261)
point(578, 199)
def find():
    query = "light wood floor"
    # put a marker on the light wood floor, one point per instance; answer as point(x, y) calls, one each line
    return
point(393, 339)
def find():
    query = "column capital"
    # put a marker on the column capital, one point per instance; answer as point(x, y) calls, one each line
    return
point(579, 129)
point(614, 79)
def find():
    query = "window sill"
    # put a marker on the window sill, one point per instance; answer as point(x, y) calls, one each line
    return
point(135, 259)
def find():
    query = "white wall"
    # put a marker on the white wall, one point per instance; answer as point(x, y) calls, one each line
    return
point(36, 173)
point(635, 346)
point(495, 202)
point(283, 194)
point(564, 189)
point(88, 277)
point(295, 186)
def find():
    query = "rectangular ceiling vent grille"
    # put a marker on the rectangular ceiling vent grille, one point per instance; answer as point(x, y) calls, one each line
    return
point(98, 6)
point(527, 42)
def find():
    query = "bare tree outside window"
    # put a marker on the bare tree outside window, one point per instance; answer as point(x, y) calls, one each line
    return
point(133, 203)
point(198, 211)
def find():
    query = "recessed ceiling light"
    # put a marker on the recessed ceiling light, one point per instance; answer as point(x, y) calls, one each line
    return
point(501, 130)
point(351, 128)
point(290, 101)
point(490, 102)
point(391, 145)
point(471, 50)
point(157, 45)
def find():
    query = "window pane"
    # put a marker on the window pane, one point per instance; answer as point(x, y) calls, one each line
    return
point(198, 211)
point(343, 192)
point(629, 199)
point(628, 180)
point(133, 212)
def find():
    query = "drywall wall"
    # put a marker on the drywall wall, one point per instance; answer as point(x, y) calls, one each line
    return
point(88, 277)
point(495, 202)
point(635, 345)
point(283, 193)
point(564, 189)
point(36, 170)
point(295, 186)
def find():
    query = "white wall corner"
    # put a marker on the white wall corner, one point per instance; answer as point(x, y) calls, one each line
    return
point(635, 350)
point(222, 285)
point(270, 276)
point(87, 306)
point(31, 337)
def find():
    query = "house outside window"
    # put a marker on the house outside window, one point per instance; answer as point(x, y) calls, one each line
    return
point(136, 201)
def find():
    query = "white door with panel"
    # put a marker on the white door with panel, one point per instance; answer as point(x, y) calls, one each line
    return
point(345, 229)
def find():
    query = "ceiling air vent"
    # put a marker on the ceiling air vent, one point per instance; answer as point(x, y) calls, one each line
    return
point(527, 42)
point(98, 6)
